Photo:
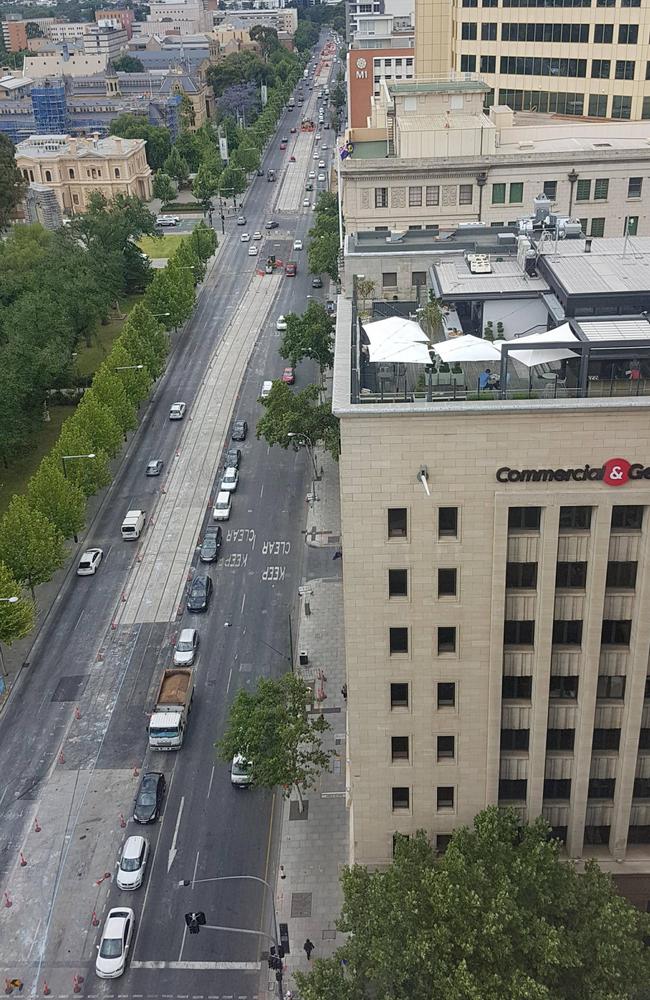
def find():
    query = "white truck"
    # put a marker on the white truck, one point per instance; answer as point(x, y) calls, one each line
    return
point(172, 709)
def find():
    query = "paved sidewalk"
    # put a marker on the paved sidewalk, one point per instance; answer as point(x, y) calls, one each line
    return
point(314, 845)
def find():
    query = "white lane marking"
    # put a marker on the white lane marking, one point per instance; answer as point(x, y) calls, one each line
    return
point(243, 602)
point(261, 495)
point(192, 966)
point(229, 679)
point(211, 780)
point(196, 865)
point(172, 851)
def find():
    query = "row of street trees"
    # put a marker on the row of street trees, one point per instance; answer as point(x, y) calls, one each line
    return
point(35, 526)
point(323, 250)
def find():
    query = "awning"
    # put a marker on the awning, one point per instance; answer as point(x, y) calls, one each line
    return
point(395, 326)
point(398, 340)
point(539, 356)
point(467, 348)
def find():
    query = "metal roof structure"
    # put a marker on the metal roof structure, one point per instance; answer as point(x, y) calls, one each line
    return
point(454, 278)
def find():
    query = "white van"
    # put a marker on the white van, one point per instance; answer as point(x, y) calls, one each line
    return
point(222, 506)
point(133, 524)
point(266, 388)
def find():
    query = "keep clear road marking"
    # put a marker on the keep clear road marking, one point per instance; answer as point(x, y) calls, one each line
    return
point(172, 851)
point(191, 966)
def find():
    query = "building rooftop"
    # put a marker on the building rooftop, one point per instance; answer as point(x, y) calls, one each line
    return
point(609, 267)
point(462, 85)
point(46, 147)
point(455, 279)
point(480, 238)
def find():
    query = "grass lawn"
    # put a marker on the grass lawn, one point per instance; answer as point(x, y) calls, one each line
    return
point(158, 248)
point(90, 358)
point(14, 479)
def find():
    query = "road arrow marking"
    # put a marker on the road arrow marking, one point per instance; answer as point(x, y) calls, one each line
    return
point(173, 852)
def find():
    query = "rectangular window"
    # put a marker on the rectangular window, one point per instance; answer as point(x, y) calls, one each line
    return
point(612, 687)
point(567, 632)
point(606, 739)
point(518, 633)
point(634, 187)
point(621, 107)
point(418, 279)
point(399, 748)
point(601, 188)
point(598, 105)
point(641, 788)
point(601, 788)
point(447, 582)
point(432, 195)
point(631, 226)
point(521, 576)
point(627, 518)
point(603, 34)
point(415, 197)
point(389, 279)
point(445, 747)
point(624, 69)
point(564, 688)
point(397, 522)
point(600, 69)
point(516, 193)
point(524, 518)
point(445, 797)
point(488, 64)
point(468, 31)
point(515, 739)
point(512, 789)
point(467, 64)
point(575, 518)
point(583, 190)
point(644, 739)
point(489, 32)
point(398, 640)
point(516, 688)
point(616, 632)
point(498, 194)
point(381, 197)
point(398, 582)
point(628, 34)
point(550, 190)
point(560, 739)
point(447, 522)
point(621, 575)
point(443, 840)
point(399, 696)
point(465, 194)
point(446, 694)
point(401, 798)
point(597, 227)
point(571, 574)
point(446, 639)
point(557, 788)
point(596, 834)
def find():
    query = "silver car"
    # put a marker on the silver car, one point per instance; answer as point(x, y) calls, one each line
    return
point(186, 647)
point(133, 861)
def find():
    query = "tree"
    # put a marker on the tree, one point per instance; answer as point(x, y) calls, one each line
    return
point(271, 728)
point(246, 157)
point(163, 187)
point(365, 288)
point(144, 338)
point(171, 293)
point(57, 497)
point(89, 474)
point(309, 336)
point(12, 183)
point(16, 620)
point(158, 138)
point(30, 546)
point(337, 97)
point(499, 917)
point(206, 184)
point(112, 388)
point(266, 38)
point(177, 167)
point(127, 64)
point(287, 412)
point(323, 253)
point(232, 181)
point(97, 421)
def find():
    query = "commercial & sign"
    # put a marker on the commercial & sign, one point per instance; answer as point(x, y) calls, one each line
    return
point(613, 472)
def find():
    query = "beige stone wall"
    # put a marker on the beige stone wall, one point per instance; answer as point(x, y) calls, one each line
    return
point(381, 455)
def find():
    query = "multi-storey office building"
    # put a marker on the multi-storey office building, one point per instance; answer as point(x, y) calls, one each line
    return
point(579, 57)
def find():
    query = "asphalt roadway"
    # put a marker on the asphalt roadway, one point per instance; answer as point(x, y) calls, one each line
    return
point(73, 741)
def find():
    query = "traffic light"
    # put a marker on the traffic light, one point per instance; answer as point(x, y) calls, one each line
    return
point(195, 921)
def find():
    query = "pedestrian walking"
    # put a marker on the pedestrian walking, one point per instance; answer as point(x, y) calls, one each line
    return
point(344, 691)
point(308, 947)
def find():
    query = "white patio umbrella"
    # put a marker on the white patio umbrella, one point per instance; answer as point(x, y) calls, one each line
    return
point(394, 327)
point(467, 348)
point(399, 351)
point(531, 358)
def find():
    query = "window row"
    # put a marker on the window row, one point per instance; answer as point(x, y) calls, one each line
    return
point(398, 639)
point(445, 796)
point(515, 193)
point(447, 582)
point(520, 688)
point(447, 522)
point(550, 3)
point(614, 632)
point(523, 575)
point(430, 198)
point(562, 103)
point(543, 66)
point(600, 189)
point(560, 788)
point(445, 694)
point(624, 518)
point(400, 748)
point(628, 34)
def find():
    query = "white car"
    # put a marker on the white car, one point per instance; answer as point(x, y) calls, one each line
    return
point(321, 164)
point(315, 156)
point(245, 237)
point(317, 136)
point(240, 772)
point(257, 236)
point(222, 506)
point(321, 177)
point(230, 480)
point(133, 861)
point(186, 647)
point(324, 146)
point(297, 244)
point(89, 562)
point(252, 251)
point(280, 324)
point(312, 175)
point(306, 203)
point(167, 220)
point(114, 944)
point(177, 411)
point(266, 388)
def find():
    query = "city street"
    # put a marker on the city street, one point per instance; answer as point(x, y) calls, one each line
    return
point(73, 741)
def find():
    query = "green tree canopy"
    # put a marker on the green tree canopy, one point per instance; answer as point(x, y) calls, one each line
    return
point(266, 38)
point(206, 184)
point(127, 64)
point(30, 545)
point(16, 620)
point(58, 498)
point(499, 917)
point(177, 167)
point(12, 183)
point(163, 187)
point(232, 181)
point(287, 412)
point(271, 727)
point(158, 139)
point(309, 336)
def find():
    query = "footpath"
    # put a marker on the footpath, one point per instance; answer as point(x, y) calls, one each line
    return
point(314, 843)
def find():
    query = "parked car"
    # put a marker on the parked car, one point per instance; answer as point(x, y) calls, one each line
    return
point(297, 244)
point(232, 458)
point(133, 861)
point(177, 411)
point(289, 375)
point(239, 430)
point(267, 385)
point(241, 220)
point(317, 281)
point(154, 467)
point(280, 324)
point(199, 593)
point(211, 544)
point(186, 647)
point(89, 562)
point(148, 802)
point(240, 772)
point(114, 944)
point(309, 186)
point(312, 175)
point(229, 481)
point(222, 506)
point(306, 203)
point(167, 220)
point(294, 130)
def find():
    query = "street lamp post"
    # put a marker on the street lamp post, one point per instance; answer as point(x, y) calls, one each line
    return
point(244, 930)
point(70, 458)
point(5, 675)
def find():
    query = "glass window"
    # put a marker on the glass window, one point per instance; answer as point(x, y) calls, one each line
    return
point(575, 518)
point(498, 194)
point(468, 31)
point(596, 834)
point(628, 34)
point(389, 279)
point(583, 190)
point(524, 518)
point(467, 64)
point(447, 522)
point(489, 32)
point(465, 194)
point(560, 739)
point(606, 739)
point(641, 788)
point(616, 632)
point(557, 788)
point(446, 694)
point(571, 574)
point(600, 69)
point(516, 195)
point(521, 576)
point(518, 633)
point(567, 632)
point(398, 582)
point(443, 840)
point(603, 34)
point(515, 739)
point(621, 107)
point(418, 279)
point(597, 227)
point(512, 789)
point(399, 748)
point(621, 575)
point(432, 195)
point(415, 197)
point(401, 798)
point(611, 687)
point(631, 225)
point(598, 105)
point(517, 688)
point(398, 640)
point(381, 197)
point(634, 187)
point(445, 746)
point(627, 518)
point(399, 695)
point(624, 69)
point(550, 190)
point(445, 797)
point(565, 688)
point(446, 639)
point(488, 64)
point(447, 582)
point(397, 522)
point(601, 188)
